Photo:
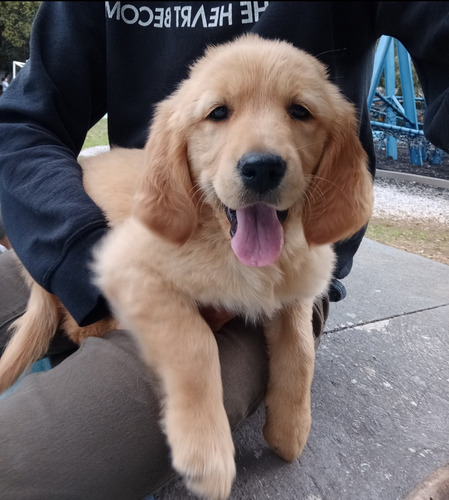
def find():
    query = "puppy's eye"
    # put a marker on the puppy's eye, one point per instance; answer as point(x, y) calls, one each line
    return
point(219, 114)
point(298, 112)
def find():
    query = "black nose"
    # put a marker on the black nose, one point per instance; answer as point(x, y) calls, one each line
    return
point(261, 172)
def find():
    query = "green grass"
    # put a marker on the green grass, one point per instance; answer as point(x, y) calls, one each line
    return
point(421, 237)
point(97, 135)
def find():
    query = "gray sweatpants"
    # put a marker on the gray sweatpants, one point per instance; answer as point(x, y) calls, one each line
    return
point(89, 427)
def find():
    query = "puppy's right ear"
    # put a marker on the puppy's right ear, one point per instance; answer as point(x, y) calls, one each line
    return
point(163, 200)
point(340, 196)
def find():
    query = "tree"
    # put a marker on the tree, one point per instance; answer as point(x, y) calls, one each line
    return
point(16, 19)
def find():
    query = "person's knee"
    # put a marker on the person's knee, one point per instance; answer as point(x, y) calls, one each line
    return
point(244, 368)
point(14, 302)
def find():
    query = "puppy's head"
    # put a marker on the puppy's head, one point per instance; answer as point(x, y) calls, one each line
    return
point(259, 134)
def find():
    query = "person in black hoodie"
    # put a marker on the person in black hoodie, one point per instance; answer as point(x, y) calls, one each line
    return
point(95, 416)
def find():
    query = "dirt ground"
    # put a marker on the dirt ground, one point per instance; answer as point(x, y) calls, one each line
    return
point(423, 237)
point(403, 164)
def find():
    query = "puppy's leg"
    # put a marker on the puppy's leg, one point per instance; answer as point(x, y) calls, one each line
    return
point(292, 356)
point(195, 421)
point(180, 348)
point(78, 333)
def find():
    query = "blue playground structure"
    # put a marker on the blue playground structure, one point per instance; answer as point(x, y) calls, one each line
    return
point(395, 118)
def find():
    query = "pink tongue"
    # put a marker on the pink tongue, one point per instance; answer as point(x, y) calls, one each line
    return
point(259, 236)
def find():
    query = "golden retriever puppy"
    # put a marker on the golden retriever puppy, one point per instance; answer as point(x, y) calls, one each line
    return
point(252, 169)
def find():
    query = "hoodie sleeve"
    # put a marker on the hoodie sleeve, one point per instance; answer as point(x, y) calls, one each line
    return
point(423, 28)
point(44, 118)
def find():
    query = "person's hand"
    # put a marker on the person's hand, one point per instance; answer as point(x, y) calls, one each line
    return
point(216, 318)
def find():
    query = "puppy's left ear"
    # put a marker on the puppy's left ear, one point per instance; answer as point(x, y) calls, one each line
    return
point(163, 201)
point(340, 196)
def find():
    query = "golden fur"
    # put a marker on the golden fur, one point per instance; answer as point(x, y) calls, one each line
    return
point(169, 249)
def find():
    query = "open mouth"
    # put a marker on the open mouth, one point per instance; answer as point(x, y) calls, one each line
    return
point(257, 234)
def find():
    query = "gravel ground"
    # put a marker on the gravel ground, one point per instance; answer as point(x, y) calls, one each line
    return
point(411, 201)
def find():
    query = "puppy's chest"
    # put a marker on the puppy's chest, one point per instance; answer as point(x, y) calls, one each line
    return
point(206, 269)
point(219, 279)
point(249, 291)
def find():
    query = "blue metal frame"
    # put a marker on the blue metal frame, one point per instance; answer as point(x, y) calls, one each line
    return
point(384, 63)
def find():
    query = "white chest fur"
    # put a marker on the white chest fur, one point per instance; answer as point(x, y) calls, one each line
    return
point(206, 269)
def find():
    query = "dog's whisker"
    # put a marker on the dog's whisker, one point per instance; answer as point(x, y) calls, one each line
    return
point(311, 201)
point(334, 186)
point(333, 51)
point(304, 147)
point(205, 196)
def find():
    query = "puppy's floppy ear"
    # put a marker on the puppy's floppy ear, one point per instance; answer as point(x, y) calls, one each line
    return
point(340, 196)
point(163, 201)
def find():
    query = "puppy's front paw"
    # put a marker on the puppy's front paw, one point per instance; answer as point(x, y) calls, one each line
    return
point(287, 428)
point(203, 453)
point(209, 477)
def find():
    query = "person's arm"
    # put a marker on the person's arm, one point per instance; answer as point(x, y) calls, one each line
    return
point(423, 28)
point(44, 117)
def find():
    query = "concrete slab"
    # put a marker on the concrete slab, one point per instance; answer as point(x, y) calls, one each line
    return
point(420, 179)
point(380, 396)
point(385, 282)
